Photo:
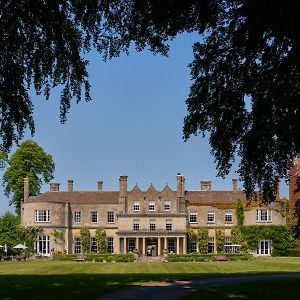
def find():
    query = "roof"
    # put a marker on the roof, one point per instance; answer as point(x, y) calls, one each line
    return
point(97, 197)
point(212, 197)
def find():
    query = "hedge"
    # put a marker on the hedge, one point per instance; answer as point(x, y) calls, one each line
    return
point(97, 257)
point(294, 252)
point(195, 257)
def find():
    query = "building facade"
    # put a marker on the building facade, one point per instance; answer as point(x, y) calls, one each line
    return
point(152, 222)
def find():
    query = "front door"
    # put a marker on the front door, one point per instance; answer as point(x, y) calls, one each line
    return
point(151, 247)
point(264, 247)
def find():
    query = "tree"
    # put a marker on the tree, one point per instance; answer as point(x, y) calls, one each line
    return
point(239, 212)
point(85, 239)
point(220, 239)
point(245, 91)
point(29, 160)
point(101, 240)
point(12, 233)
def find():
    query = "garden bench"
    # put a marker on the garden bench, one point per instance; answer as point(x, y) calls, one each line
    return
point(80, 258)
point(221, 258)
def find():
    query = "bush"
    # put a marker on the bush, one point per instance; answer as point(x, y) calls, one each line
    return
point(97, 257)
point(195, 257)
point(294, 252)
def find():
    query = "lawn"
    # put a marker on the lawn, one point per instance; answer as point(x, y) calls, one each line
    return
point(260, 290)
point(46, 279)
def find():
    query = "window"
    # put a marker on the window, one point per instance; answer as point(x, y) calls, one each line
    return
point(93, 244)
point(94, 217)
point(193, 246)
point(136, 205)
point(228, 217)
point(171, 245)
point(167, 205)
point(43, 245)
point(169, 225)
point(264, 247)
point(77, 245)
point(211, 245)
point(42, 215)
point(263, 215)
point(110, 245)
point(227, 244)
point(77, 217)
point(131, 245)
point(110, 217)
point(136, 225)
point(152, 225)
point(210, 217)
point(193, 217)
point(151, 205)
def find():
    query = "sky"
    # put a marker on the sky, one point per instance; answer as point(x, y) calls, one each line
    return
point(133, 126)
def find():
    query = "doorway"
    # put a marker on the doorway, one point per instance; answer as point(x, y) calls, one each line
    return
point(151, 248)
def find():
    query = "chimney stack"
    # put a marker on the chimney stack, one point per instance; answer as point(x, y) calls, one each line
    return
point(54, 187)
point(100, 185)
point(26, 189)
point(205, 185)
point(180, 185)
point(123, 185)
point(70, 185)
point(234, 184)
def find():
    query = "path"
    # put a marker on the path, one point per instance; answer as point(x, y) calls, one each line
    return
point(175, 289)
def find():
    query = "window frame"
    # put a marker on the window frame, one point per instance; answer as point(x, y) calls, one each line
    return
point(110, 217)
point(211, 245)
point(45, 218)
point(92, 213)
point(93, 245)
point(77, 245)
point(151, 205)
point(76, 218)
point(167, 205)
point(228, 213)
point(209, 214)
point(110, 244)
point(136, 225)
point(136, 205)
point(152, 225)
point(193, 214)
point(268, 215)
point(169, 225)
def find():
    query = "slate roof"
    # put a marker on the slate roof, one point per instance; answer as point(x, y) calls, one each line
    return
point(107, 197)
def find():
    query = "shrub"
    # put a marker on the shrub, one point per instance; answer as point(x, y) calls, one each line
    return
point(95, 257)
point(294, 252)
point(195, 257)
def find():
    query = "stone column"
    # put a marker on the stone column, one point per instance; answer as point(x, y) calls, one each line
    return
point(125, 245)
point(184, 246)
point(144, 246)
point(165, 243)
point(177, 245)
point(136, 243)
point(158, 247)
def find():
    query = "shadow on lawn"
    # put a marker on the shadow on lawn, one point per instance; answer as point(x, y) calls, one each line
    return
point(83, 286)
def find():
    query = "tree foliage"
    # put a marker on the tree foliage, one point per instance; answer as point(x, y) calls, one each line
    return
point(85, 239)
point(245, 72)
point(239, 212)
point(220, 239)
point(101, 240)
point(12, 233)
point(29, 160)
point(202, 237)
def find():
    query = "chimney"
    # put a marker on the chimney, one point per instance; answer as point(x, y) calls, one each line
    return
point(180, 185)
point(123, 186)
point(26, 189)
point(234, 184)
point(205, 185)
point(54, 187)
point(100, 185)
point(70, 185)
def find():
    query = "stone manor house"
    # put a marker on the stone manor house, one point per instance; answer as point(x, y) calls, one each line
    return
point(151, 221)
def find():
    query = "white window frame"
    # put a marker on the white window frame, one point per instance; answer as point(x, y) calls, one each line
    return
point(262, 249)
point(193, 247)
point(77, 216)
point(167, 205)
point(211, 218)
point(77, 245)
point(192, 215)
point(152, 225)
point(136, 205)
point(169, 225)
point(227, 214)
point(42, 245)
point(110, 244)
point(211, 245)
point(93, 244)
point(151, 205)
point(110, 218)
point(136, 225)
point(42, 216)
point(263, 212)
point(93, 212)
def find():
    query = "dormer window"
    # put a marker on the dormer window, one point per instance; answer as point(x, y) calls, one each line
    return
point(151, 205)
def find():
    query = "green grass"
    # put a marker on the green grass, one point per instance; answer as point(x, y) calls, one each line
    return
point(259, 290)
point(45, 279)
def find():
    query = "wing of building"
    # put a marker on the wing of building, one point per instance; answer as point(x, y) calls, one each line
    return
point(151, 221)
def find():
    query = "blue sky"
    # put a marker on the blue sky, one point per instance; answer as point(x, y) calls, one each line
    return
point(133, 126)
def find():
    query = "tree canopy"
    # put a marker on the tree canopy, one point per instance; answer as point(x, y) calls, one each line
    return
point(245, 72)
point(29, 160)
